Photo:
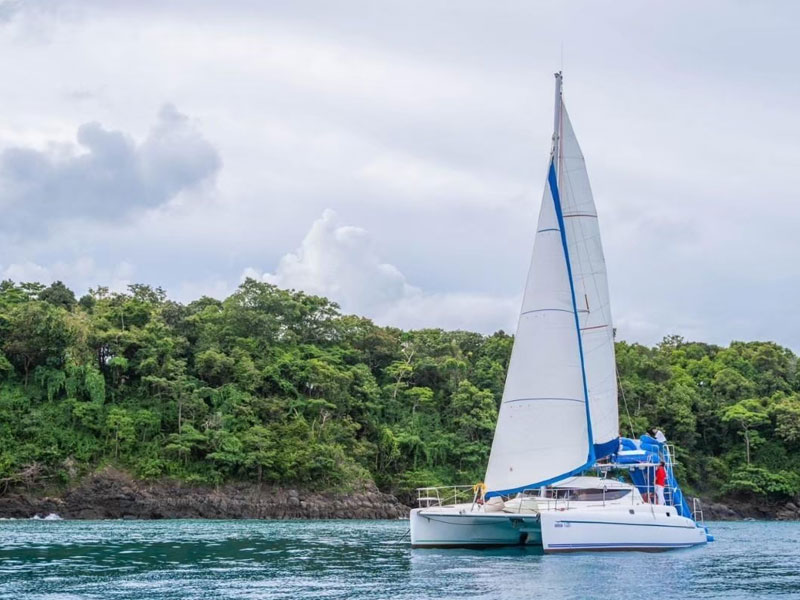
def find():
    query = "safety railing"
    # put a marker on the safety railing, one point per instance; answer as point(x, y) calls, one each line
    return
point(555, 498)
point(532, 499)
point(669, 456)
point(650, 494)
point(697, 511)
point(445, 495)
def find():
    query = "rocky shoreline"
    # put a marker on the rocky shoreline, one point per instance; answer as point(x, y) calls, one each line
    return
point(111, 494)
point(733, 510)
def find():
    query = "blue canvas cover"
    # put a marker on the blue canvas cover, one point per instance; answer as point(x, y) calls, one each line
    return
point(649, 450)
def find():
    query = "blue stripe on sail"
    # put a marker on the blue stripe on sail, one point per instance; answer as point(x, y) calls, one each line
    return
point(551, 178)
point(606, 448)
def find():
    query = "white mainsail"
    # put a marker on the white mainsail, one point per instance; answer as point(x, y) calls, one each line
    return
point(561, 377)
point(590, 281)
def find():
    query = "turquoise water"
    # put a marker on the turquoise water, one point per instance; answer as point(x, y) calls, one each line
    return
point(154, 560)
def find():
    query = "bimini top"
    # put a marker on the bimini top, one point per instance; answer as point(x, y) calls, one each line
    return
point(559, 407)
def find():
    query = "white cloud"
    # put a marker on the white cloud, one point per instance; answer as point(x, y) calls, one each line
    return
point(106, 176)
point(341, 262)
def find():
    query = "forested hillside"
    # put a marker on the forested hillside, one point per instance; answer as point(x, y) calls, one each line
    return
point(278, 386)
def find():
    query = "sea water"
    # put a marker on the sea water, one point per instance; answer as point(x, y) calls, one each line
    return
point(155, 560)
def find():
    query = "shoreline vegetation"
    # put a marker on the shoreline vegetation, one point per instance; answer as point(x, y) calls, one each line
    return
point(273, 404)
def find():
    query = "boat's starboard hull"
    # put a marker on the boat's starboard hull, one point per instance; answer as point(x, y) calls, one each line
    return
point(642, 529)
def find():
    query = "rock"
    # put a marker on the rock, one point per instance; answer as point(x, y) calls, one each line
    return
point(113, 494)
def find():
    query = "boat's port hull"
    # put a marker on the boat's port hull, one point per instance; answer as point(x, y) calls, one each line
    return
point(436, 528)
point(647, 528)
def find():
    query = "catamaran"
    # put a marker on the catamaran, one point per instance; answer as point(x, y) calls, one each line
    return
point(559, 474)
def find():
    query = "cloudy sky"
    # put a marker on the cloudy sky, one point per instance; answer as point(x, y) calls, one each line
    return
point(391, 155)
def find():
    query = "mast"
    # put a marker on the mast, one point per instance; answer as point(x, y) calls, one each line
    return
point(557, 118)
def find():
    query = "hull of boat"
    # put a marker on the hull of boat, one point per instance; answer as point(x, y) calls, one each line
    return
point(574, 530)
point(646, 529)
point(436, 528)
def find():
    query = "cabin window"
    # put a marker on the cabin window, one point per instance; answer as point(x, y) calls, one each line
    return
point(599, 495)
point(588, 495)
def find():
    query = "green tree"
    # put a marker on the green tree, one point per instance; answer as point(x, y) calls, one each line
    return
point(787, 420)
point(184, 443)
point(121, 426)
point(58, 294)
point(261, 451)
point(38, 335)
point(731, 386)
point(747, 415)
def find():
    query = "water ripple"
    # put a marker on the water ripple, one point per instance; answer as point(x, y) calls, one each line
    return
point(164, 560)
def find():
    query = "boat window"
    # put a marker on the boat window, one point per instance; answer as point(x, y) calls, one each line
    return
point(587, 495)
point(595, 494)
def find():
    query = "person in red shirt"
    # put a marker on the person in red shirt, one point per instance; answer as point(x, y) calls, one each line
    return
point(661, 481)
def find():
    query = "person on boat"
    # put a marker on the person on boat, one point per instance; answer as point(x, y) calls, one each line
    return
point(659, 436)
point(661, 482)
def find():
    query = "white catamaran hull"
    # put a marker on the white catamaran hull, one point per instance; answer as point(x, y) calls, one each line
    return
point(647, 529)
point(436, 528)
point(573, 530)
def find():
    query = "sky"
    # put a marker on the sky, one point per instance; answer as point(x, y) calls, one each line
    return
point(392, 155)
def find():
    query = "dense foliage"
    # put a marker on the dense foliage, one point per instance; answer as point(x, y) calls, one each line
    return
point(278, 386)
